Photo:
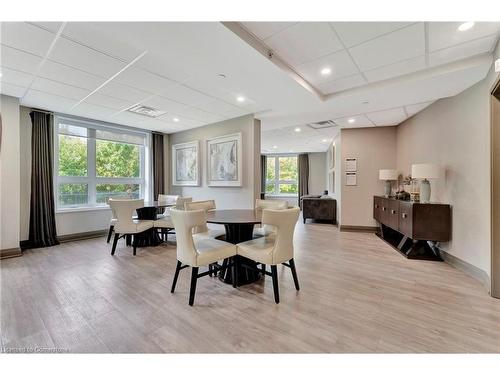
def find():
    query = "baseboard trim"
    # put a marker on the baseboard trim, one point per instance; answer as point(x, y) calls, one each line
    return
point(358, 228)
point(82, 235)
point(469, 269)
point(10, 253)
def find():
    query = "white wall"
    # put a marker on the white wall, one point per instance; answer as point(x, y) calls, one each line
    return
point(455, 134)
point(9, 173)
point(225, 197)
point(317, 177)
point(374, 148)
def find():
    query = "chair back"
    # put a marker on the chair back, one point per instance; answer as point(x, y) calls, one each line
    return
point(124, 210)
point(116, 198)
point(207, 205)
point(181, 201)
point(167, 199)
point(284, 221)
point(262, 204)
point(184, 222)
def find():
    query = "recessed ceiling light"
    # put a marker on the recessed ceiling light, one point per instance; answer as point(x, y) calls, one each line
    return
point(324, 140)
point(0, 74)
point(326, 71)
point(290, 150)
point(241, 99)
point(465, 26)
point(351, 121)
point(298, 129)
point(176, 119)
point(275, 146)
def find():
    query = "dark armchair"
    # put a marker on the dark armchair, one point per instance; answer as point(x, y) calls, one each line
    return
point(322, 208)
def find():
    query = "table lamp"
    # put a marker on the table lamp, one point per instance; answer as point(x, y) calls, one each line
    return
point(425, 172)
point(388, 175)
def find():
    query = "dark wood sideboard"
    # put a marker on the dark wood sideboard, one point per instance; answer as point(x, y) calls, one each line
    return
point(408, 226)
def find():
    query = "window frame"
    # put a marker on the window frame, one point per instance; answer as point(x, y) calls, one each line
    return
point(92, 180)
point(277, 181)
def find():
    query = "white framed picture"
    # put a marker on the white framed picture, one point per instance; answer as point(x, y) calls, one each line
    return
point(224, 160)
point(186, 164)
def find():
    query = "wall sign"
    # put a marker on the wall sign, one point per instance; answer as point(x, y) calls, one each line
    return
point(351, 179)
point(351, 164)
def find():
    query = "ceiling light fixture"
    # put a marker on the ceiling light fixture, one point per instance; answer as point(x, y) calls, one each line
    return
point(351, 121)
point(240, 99)
point(275, 147)
point(326, 71)
point(176, 119)
point(324, 140)
point(465, 26)
point(0, 74)
point(298, 129)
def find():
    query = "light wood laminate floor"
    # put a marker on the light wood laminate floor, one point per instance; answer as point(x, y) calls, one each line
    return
point(357, 295)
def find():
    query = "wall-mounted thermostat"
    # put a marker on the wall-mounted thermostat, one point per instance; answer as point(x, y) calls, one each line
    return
point(497, 65)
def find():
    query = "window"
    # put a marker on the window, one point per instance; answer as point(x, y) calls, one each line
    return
point(282, 175)
point(95, 161)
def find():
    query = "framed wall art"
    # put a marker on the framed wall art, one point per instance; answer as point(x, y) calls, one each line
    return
point(224, 160)
point(186, 164)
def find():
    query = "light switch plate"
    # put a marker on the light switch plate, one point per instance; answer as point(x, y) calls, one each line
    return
point(497, 65)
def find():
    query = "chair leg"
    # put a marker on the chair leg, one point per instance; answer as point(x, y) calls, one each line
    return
point(224, 264)
point(176, 275)
point(134, 244)
point(263, 269)
point(115, 241)
point(210, 268)
point(235, 271)
point(110, 233)
point(274, 271)
point(294, 273)
point(192, 290)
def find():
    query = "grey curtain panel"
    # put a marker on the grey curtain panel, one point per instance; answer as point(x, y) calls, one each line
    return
point(303, 164)
point(42, 232)
point(263, 172)
point(158, 167)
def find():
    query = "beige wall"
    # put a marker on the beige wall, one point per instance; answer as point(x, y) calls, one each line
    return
point(317, 177)
point(455, 134)
point(374, 148)
point(225, 197)
point(9, 173)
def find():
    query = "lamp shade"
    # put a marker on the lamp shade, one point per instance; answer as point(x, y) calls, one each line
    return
point(424, 171)
point(388, 174)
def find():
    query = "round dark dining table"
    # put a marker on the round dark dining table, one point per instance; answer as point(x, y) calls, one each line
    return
point(149, 211)
point(239, 228)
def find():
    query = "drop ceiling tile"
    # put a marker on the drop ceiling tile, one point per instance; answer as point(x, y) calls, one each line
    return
point(98, 36)
point(108, 101)
point(342, 84)
point(446, 34)
point(15, 77)
point(71, 76)
point(144, 81)
point(222, 108)
point(97, 112)
point(184, 94)
point(340, 63)
point(462, 51)
point(53, 27)
point(305, 41)
point(26, 37)
point(60, 89)
point(391, 48)
point(11, 89)
point(388, 117)
point(43, 100)
point(203, 116)
point(84, 58)
point(263, 30)
point(19, 60)
point(397, 69)
point(360, 121)
point(415, 108)
point(130, 119)
point(170, 106)
point(183, 122)
point(123, 92)
point(159, 62)
point(352, 33)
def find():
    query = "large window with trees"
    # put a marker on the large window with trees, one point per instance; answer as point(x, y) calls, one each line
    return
point(94, 162)
point(281, 175)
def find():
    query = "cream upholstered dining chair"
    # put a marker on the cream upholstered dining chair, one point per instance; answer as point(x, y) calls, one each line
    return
point(195, 251)
point(275, 249)
point(166, 199)
point(125, 223)
point(262, 204)
point(204, 230)
point(113, 220)
point(181, 201)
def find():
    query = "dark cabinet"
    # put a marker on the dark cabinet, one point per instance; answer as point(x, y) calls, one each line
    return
point(408, 226)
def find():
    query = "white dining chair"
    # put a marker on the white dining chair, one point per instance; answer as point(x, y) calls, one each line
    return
point(204, 230)
point(195, 251)
point(275, 249)
point(262, 204)
point(113, 220)
point(171, 200)
point(125, 223)
point(181, 201)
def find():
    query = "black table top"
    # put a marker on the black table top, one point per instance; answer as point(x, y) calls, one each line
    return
point(157, 204)
point(233, 217)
